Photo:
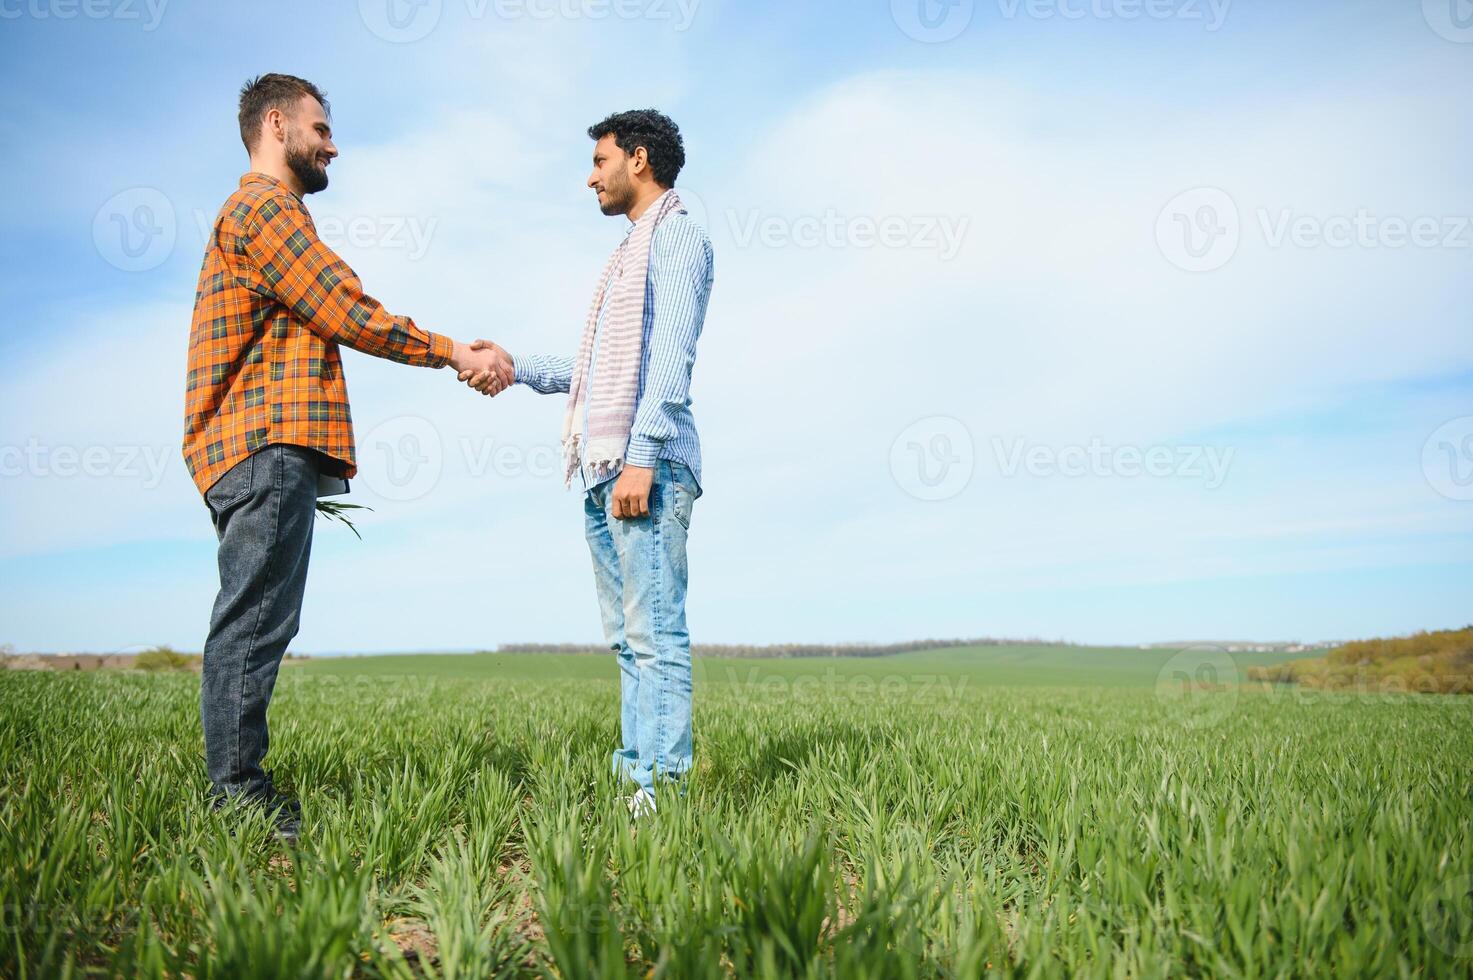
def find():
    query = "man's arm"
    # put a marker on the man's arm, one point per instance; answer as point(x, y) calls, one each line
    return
point(325, 294)
point(544, 373)
point(680, 280)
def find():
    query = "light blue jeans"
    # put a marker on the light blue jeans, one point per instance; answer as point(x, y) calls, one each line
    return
point(640, 570)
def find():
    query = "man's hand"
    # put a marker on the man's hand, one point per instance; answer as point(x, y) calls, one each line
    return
point(632, 492)
point(484, 366)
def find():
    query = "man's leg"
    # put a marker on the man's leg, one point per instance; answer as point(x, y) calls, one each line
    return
point(653, 561)
point(609, 583)
point(263, 510)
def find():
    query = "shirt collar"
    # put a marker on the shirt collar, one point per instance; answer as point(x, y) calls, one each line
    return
point(256, 177)
point(654, 206)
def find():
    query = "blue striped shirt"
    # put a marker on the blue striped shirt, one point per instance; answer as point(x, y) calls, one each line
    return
point(679, 285)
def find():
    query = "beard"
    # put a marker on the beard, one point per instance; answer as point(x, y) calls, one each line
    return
point(619, 195)
point(302, 162)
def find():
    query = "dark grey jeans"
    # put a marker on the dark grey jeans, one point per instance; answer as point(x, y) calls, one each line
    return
point(263, 509)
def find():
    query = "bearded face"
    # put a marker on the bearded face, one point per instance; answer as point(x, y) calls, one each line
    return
point(307, 161)
point(617, 175)
point(616, 191)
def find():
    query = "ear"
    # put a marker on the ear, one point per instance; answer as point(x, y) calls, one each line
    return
point(274, 123)
point(639, 160)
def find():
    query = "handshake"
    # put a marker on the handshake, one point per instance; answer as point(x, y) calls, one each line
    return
point(484, 366)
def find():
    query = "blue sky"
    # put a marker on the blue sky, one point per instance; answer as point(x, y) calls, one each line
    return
point(1106, 320)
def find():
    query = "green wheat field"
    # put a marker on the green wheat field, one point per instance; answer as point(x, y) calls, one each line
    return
point(1008, 811)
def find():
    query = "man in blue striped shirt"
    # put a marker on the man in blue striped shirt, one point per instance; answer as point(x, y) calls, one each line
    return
point(637, 513)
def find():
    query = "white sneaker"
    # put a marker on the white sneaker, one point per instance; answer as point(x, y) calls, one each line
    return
point(641, 804)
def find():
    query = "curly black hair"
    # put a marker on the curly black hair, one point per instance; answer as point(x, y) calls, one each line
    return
point(654, 131)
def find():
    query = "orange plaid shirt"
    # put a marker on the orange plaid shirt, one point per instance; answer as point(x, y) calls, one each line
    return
point(272, 306)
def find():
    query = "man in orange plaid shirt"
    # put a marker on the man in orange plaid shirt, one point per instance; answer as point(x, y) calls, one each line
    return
point(267, 425)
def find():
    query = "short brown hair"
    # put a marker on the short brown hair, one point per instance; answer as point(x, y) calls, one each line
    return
point(271, 91)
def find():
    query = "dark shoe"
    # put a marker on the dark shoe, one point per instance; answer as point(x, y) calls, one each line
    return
point(284, 812)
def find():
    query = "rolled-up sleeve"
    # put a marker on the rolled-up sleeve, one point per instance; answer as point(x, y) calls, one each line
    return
point(680, 274)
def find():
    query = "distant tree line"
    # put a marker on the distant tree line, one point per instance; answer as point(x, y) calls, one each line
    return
point(796, 649)
point(1437, 662)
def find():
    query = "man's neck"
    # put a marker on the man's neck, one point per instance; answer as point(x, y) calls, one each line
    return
point(280, 171)
point(646, 198)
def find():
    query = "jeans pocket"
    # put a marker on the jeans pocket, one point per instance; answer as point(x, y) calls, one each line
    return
point(231, 488)
point(683, 502)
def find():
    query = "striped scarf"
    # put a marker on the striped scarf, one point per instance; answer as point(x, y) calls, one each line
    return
point(612, 396)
